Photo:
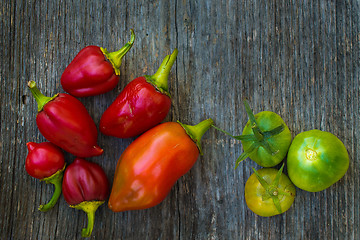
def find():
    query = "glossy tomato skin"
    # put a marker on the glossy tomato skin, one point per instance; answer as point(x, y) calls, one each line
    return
point(255, 194)
point(150, 166)
point(316, 160)
point(267, 121)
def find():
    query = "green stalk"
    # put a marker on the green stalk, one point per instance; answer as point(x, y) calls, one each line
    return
point(40, 98)
point(258, 137)
point(116, 57)
point(272, 189)
point(197, 131)
point(56, 180)
point(90, 208)
point(160, 78)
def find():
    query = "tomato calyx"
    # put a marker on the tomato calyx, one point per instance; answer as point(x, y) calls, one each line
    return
point(310, 154)
point(272, 189)
point(259, 137)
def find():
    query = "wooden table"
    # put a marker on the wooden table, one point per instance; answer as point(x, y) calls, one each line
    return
point(299, 59)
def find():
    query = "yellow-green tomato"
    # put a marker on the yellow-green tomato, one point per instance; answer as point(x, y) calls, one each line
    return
point(262, 199)
point(316, 160)
point(266, 121)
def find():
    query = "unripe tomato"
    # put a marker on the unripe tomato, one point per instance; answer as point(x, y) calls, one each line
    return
point(265, 138)
point(316, 160)
point(268, 192)
point(266, 121)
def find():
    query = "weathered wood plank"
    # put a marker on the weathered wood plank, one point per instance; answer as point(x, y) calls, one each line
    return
point(297, 58)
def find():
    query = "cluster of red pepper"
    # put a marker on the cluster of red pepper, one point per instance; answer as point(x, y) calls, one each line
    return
point(149, 166)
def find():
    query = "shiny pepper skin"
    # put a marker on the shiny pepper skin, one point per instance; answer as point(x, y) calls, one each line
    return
point(85, 187)
point(46, 162)
point(150, 166)
point(142, 104)
point(64, 121)
point(94, 70)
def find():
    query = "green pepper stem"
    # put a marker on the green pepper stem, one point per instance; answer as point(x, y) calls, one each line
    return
point(90, 208)
point(197, 131)
point(160, 78)
point(56, 180)
point(116, 57)
point(40, 98)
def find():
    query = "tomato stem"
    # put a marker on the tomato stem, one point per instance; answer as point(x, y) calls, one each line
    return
point(247, 137)
point(272, 189)
point(258, 137)
point(250, 113)
point(116, 57)
point(56, 180)
point(261, 136)
point(40, 98)
point(245, 154)
point(90, 208)
point(257, 133)
point(197, 131)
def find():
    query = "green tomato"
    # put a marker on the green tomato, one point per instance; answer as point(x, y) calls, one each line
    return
point(265, 138)
point(280, 142)
point(268, 192)
point(316, 160)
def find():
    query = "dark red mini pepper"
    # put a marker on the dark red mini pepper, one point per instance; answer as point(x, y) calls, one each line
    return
point(64, 121)
point(94, 70)
point(142, 104)
point(46, 162)
point(85, 187)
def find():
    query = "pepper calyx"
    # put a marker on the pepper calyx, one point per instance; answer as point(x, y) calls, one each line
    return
point(196, 132)
point(116, 57)
point(56, 180)
point(40, 98)
point(89, 207)
point(160, 78)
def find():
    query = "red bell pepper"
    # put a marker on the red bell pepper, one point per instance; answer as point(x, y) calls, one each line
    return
point(94, 70)
point(142, 104)
point(64, 121)
point(46, 162)
point(85, 187)
point(150, 165)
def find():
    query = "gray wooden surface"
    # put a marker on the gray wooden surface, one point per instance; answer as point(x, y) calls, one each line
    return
point(297, 58)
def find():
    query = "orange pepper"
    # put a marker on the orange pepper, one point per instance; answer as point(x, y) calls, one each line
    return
point(150, 166)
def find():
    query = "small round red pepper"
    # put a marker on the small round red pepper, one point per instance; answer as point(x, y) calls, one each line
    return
point(94, 70)
point(46, 162)
point(142, 104)
point(85, 187)
point(150, 166)
point(64, 121)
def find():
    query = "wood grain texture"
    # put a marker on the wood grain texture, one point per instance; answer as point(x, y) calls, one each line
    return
point(299, 59)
